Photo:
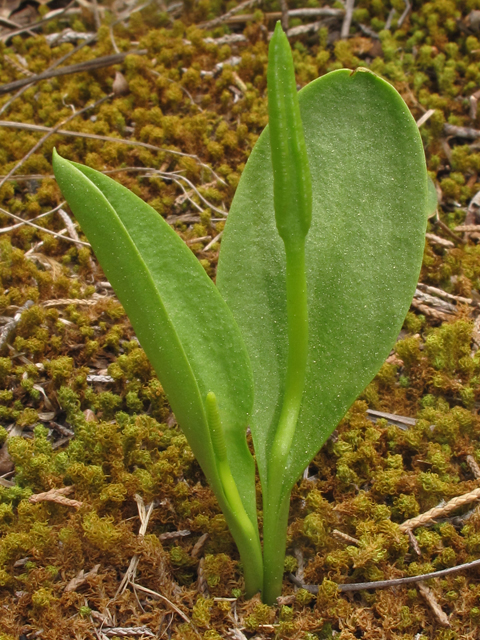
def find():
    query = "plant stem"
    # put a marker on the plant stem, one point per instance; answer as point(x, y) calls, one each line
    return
point(276, 500)
point(297, 312)
point(275, 520)
point(247, 538)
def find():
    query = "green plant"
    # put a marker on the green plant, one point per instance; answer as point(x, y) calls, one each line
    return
point(319, 262)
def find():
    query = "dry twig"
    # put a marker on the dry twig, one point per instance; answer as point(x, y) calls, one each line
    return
point(386, 584)
point(88, 65)
point(429, 311)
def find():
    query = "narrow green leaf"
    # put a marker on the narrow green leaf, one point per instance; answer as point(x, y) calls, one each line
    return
point(363, 256)
point(181, 321)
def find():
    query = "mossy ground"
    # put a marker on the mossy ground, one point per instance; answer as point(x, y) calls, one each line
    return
point(367, 479)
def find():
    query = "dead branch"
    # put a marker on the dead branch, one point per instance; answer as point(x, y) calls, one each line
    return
point(443, 294)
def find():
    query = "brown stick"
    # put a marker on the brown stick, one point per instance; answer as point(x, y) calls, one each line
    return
point(89, 65)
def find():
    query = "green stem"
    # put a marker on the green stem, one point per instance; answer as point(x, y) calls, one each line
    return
point(276, 500)
point(297, 313)
point(275, 520)
point(247, 538)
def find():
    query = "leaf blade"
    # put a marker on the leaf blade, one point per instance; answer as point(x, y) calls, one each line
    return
point(172, 307)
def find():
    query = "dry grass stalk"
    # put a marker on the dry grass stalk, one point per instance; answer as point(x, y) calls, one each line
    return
point(172, 535)
point(434, 301)
point(441, 242)
point(447, 230)
point(429, 311)
point(414, 542)
point(461, 132)
point(58, 496)
point(126, 632)
point(435, 291)
point(202, 585)
point(474, 468)
point(429, 596)
point(144, 515)
point(62, 302)
point(468, 228)
point(344, 537)
point(50, 133)
point(92, 136)
point(81, 578)
point(199, 546)
point(174, 607)
point(438, 512)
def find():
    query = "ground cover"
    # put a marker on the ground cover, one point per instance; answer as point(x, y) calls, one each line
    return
point(106, 524)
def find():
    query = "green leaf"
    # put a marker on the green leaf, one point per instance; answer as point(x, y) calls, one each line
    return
point(180, 319)
point(363, 256)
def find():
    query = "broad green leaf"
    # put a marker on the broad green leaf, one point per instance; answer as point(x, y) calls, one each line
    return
point(180, 319)
point(363, 256)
